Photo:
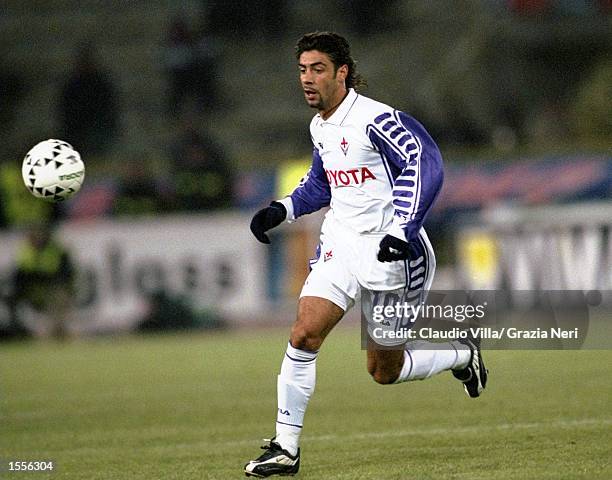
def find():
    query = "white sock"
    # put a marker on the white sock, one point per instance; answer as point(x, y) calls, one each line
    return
point(421, 363)
point(295, 385)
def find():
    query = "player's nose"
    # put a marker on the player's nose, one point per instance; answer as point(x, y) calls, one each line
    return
point(307, 78)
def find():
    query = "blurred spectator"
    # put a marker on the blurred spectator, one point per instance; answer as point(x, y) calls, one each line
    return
point(254, 19)
point(271, 18)
point(206, 71)
point(201, 174)
point(168, 312)
point(140, 190)
point(177, 61)
point(592, 103)
point(44, 282)
point(189, 60)
point(18, 207)
point(367, 17)
point(88, 109)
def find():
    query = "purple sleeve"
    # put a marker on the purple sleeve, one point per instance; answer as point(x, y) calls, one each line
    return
point(414, 163)
point(313, 192)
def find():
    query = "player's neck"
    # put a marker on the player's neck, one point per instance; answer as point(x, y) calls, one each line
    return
point(325, 114)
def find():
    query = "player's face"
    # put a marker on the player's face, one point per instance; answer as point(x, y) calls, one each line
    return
point(323, 85)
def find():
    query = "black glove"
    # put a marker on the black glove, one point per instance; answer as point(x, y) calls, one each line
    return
point(266, 219)
point(392, 249)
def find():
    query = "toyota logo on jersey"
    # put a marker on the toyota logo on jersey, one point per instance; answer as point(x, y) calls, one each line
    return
point(354, 176)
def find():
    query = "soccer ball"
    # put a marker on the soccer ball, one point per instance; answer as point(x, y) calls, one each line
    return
point(53, 170)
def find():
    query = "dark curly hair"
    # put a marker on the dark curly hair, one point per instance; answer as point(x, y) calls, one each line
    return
point(338, 50)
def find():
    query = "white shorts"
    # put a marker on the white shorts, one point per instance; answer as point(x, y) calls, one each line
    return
point(346, 265)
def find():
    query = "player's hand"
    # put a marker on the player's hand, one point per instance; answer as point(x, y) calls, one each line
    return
point(266, 219)
point(392, 249)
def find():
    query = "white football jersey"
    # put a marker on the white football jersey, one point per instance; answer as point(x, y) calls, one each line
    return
point(377, 168)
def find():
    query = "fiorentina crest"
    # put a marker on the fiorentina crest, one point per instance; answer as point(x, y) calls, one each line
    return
point(344, 146)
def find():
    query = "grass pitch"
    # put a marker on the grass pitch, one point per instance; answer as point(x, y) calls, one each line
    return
point(196, 407)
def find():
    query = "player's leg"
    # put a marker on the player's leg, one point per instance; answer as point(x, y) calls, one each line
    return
point(472, 373)
point(329, 291)
point(316, 317)
point(384, 365)
point(418, 360)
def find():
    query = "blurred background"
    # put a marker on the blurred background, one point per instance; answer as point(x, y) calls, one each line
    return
point(189, 117)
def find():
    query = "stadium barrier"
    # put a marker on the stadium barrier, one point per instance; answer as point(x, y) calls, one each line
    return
point(561, 247)
point(211, 259)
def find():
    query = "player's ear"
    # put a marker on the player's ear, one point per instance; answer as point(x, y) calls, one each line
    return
point(342, 73)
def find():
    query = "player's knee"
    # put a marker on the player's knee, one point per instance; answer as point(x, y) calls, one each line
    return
point(381, 375)
point(304, 339)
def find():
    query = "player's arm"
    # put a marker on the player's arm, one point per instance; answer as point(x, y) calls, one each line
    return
point(312, 194)
point(415, 164)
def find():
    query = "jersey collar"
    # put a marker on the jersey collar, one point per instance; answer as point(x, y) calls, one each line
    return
point(343, 109)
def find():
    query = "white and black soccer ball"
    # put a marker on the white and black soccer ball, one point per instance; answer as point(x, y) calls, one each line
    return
point(53, 170)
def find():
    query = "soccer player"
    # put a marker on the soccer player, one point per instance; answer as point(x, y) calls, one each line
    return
point(379, 171)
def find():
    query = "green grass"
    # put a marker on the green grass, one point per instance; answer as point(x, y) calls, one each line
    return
point(197, 406)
